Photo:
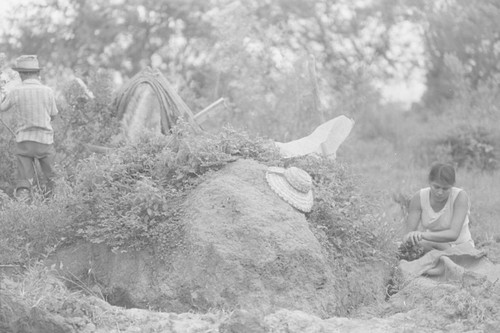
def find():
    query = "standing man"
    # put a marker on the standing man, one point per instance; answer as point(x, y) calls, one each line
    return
point(34, 106)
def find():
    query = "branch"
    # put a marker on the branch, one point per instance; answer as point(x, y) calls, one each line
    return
point(316, 98)
point(202, 116)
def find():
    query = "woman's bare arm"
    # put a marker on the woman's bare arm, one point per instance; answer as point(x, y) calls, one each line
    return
point(414, 214)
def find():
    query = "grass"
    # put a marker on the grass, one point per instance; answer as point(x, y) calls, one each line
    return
point(378, 168)
point(385, 172)
point(119, 199)
point(484, 192)
point(31, 231)
point(35, 300)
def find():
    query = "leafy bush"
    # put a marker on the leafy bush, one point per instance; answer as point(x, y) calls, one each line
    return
point(461, 128)
point(124, 212)
point(7, 160)
point(352, 222)
point(83, 120)
point(31, 231)
point(410, 252)
point(352, 229)
point(466, 146)
point(132, 197)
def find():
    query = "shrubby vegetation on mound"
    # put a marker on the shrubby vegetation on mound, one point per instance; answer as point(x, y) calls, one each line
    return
point(351, 221)
point(131, 199)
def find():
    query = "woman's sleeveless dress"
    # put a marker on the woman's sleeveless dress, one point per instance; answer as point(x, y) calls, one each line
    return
point(436, 221)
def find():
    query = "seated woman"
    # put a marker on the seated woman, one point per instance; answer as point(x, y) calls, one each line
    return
point(438, 216)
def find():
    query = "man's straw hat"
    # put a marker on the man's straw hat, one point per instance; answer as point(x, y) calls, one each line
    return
point(27, 63)
point(293, 185)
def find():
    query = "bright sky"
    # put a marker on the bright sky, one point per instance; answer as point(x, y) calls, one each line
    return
point(407, 90)
point(5, 6)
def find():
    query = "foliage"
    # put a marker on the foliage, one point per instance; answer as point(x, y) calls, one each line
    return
point(461, 130)
point(81, 121)
point(464, 133)
point(181, 36)
point(133, 197)
point(123, 210)
point(352, 229)
point(7, 161)
point(351, 222)
point(130, 198)
point(121, 35)
point(281, 88)
point(466, 99)
point(460, 29)
point(85, 119)
point(235, 49)
point(390, 124)
point(482, 188)
point(471, 148)
point(31, 231)
point(408, 251)
point(231, 49)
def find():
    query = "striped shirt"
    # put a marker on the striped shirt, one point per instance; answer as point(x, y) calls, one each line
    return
point(34, 104)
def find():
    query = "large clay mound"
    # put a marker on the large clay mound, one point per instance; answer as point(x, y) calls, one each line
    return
point(244, 248)
point(250, 249)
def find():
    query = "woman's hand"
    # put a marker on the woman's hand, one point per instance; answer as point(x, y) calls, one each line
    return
point(413, 236)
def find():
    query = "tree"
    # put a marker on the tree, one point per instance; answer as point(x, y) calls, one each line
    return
point(466, 31)
point(120, 35)
point(255, 53)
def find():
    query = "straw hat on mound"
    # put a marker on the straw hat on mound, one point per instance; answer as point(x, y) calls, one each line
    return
point(293, 185)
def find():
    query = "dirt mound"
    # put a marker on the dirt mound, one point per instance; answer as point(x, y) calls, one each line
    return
point(248, 263)
point(250, 249)
point(244, 248)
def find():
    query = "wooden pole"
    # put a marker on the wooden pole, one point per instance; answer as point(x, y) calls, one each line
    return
point(10, 130)
point(314, 81)
point(201, 116)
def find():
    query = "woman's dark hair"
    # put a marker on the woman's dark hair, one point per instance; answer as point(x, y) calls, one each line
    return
point(441, 172)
